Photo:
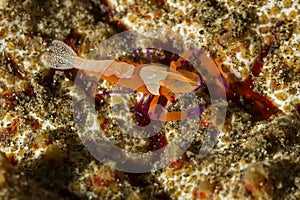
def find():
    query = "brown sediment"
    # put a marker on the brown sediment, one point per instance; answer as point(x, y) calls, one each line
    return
point(13, 63)
point(12, 96)
point(157, 141)
point(259, 61)
point(119, 25)
point(243, 94)
point(8, 132)
point(259, 106)
point(74, 39)
point(257, 155)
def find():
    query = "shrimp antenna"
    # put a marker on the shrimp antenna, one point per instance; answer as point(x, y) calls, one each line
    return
point(60, 56)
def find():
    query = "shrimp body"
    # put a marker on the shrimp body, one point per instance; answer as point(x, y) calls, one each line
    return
point(150, 79)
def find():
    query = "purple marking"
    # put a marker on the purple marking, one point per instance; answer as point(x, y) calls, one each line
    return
point(197, 53)
point(147, 104)
point(200, 83)
point(175, 57)
point(141, 110)
point(221, 78)
point(193, 112)
point(140, 103)
point(148, 54)
point(136, 55)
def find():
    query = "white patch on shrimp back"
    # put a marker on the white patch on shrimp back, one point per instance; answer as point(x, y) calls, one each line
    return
point(119, 69)
point(152, 75)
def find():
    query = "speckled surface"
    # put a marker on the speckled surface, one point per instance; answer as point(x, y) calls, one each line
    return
point(257, 152)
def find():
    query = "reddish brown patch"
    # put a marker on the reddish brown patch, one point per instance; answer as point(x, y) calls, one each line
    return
point(101, 182)
point(275, 84)
point(48, 142)
point(157, 14)
point(274, 81)
point(29, 91)
point(119, 26)
point(4, 133)
point(259, 106)
point(252, 188)
point(10, 130)
point(189, 21)
point(34, 123)
point(89, 183)
point(298, 108)
point(202, 195)
point(103, 123)
point(197, 194)
point(99, 101)
point(157, 141)
point(159, 3)
point(249, 188)
point(12, 159)
point(74, 39)
point(281, 67)
point(15, 67)
point(176, 164)
point(48, 77)
point(35, 146)
point(204, 123)
point(14, 126)
point(100, 14)
point(134, 8)
point(107, 3)
point(259, 61)
point(10, 96)
point(147, 17)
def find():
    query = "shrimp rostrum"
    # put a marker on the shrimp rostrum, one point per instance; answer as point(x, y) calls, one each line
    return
point(151, 79)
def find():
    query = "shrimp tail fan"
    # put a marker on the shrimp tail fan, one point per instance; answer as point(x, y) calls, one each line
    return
point(60, 56)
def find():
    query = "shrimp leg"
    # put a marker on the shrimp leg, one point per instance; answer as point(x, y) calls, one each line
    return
point(166, 116)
